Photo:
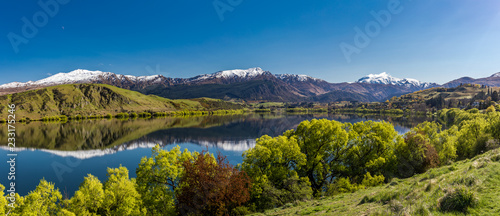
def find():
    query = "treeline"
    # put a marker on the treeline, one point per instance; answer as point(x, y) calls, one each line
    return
point(370, 111)
point(319, 158)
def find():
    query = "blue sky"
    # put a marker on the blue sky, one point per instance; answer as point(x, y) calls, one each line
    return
point(428, 40)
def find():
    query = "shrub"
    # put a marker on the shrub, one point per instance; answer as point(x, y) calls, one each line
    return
point(121, 116)
point(475, 110)
point(133, 115)
point(78, 117)
point(145, 115)
point(371, 181)
point(242, 210)
point(490, 109)
point(342, 185)
point(108, 116)
point(63, 118)
point(459, 199)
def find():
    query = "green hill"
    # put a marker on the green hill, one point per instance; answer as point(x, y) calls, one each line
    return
point(98, 99)
point(462, 96)
point(417, 195)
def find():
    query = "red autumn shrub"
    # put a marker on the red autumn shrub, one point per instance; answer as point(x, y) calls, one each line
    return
point(211, 186)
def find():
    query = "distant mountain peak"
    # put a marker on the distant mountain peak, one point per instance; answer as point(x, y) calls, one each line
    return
point(386, 79)
point(78, 76)
point(226, 74)
point(251, 72)
point(297, 77)
point(382, 78)
point(496, 75)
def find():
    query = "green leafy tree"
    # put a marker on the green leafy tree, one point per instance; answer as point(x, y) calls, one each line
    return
point(371, 149)
point(41, 201)
point(445, 144)
point(324, 144)
point(415, 154)
point(472, 138)
point(120, 195)
point(494, 126)
point(89, 198)
point(272, 165)
point(158, 177)
point(3, 201)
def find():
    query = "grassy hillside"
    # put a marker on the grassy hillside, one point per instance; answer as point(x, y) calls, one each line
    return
point(98, 99)
point(417, 195)
point(456, 93)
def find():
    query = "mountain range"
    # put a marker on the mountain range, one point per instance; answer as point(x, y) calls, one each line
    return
point(253, 84)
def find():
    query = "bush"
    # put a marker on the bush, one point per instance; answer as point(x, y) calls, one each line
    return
point(133, 115)
point(371, 181)
point(63, 118)
point(459, 199)
point(121, 116)
point(108, 116)
point(475, 110)
point(145, 115)
point(342, 185)
point(242, 210)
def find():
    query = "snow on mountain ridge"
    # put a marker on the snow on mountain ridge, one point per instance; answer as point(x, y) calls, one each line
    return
point(299, 77)
point(251, 72)
point(242, 73)
point(386, 79)
point(78, 76)
point(496, 75)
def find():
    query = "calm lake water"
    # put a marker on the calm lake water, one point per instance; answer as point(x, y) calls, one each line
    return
point(65, 153)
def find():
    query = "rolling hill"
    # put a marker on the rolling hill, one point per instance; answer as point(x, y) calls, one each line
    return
point(98, 99)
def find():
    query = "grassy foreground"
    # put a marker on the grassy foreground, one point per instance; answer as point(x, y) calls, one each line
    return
point(417, 195)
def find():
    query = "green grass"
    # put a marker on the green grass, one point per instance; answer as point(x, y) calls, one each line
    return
point(423, 194)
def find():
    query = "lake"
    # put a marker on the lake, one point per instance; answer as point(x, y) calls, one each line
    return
point(64, 153)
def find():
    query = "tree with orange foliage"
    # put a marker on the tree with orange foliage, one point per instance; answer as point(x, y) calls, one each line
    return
point(211, 186)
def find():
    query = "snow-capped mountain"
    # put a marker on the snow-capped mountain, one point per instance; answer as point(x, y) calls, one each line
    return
point(496, 75)
point(386, 79)
point(229, 74)
point(81, 76)
point(295, 77)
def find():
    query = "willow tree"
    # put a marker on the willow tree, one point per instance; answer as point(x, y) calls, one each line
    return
point(89, 198)
point(120, 195)
point(272, 165)
point(325, 146)
point(158, 178)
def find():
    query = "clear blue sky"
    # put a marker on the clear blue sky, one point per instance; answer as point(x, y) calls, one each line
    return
point(427, 40)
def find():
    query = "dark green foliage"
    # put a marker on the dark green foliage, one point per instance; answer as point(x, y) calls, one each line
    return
point(122, 116)
point(145, 115)
point(459, 199)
